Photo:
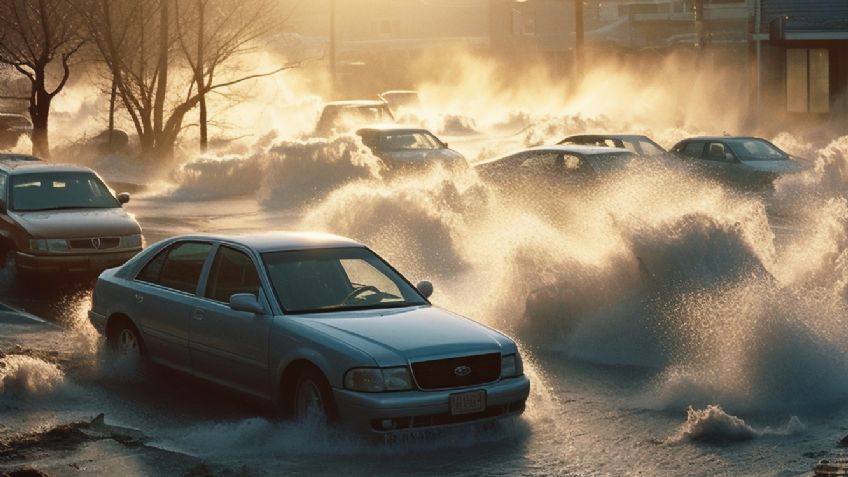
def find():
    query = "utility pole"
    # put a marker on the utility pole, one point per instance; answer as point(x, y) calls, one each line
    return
point(333, 82)
point(699, 26)
point(578, 38)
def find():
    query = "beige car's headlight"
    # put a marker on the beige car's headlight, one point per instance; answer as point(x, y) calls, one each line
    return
point(49, 245)
point(131, 241)
point(375, 380)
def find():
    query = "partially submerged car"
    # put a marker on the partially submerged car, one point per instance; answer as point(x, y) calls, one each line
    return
point(636, 143)
point(12, 128)
point(401, 100)
point(555, 166)
point(404, 148)
point(62, 218)
point(344, 116)
point(745, 162)
point(315, 323)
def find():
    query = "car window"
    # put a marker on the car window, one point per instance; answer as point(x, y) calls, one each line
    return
point(309, 281)
point(361, 273)
point(409, 140)
point(693, 149)
point(60, 190)
point(3, 188)
point(178, 267)
point(232, 272)
point(755, 150)
point(539, 161)
point(717, 151)
point(650, 149)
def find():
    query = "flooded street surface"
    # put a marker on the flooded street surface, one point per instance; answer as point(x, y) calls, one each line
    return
point(613, 357)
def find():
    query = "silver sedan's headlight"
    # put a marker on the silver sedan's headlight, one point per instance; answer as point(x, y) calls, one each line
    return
point(375, 380)
point(48, 245)
point(131, 241)
point(511, 366)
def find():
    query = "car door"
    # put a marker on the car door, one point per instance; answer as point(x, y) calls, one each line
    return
point(165, 296)
point(719, 158)
point(231, 346)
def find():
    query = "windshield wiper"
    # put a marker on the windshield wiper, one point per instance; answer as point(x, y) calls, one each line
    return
point(62, 207)
point(336, 308)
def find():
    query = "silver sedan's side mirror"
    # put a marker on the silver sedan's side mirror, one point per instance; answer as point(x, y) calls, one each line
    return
point(246, 302)
point(124, 197)
point(425, 287)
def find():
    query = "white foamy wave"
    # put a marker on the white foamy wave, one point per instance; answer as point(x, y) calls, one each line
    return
point(300, 172)
point(715, 426)
point(26, 377)
point(755, 345)
point(212, 176)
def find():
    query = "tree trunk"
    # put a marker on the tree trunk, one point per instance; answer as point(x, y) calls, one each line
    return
point(39, 111)
point(112, 98)
point(162, 80)
point(198, 76)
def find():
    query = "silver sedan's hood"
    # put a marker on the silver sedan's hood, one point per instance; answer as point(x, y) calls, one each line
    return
point(396, 336)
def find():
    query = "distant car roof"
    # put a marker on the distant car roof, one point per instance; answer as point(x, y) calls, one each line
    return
point(358, 103)
point(29, 166)
point(719, 138)
point(13, 157)
point(615, 136)
point(280, 241)
point(581, 149)
point(390, 127)
point(399, 91)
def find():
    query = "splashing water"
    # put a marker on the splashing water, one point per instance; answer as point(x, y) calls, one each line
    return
point(25, 377)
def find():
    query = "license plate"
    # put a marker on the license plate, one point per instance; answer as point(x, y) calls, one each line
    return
point(468, 403)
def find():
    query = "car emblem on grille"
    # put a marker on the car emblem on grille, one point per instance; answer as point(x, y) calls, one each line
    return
point(462, 371)
point(95, 242)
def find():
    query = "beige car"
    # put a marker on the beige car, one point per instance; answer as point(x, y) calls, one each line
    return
point(62, 218)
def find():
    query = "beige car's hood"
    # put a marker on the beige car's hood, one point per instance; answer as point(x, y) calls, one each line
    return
point(76, 223)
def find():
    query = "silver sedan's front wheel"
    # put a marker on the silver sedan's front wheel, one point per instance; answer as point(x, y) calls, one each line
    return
point(313, 400)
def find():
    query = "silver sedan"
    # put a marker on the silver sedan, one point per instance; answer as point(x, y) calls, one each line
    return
point(316, 324)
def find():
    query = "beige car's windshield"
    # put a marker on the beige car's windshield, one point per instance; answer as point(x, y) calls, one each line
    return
point(59, 190)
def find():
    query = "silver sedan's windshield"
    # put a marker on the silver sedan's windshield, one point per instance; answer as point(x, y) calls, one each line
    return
point(60, 190)
point(314, 281)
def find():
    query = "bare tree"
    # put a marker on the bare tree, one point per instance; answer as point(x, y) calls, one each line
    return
point(211, 33)
point(166, 56)
point(33, 34)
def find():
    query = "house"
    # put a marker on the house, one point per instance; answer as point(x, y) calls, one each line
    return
point(802, 58)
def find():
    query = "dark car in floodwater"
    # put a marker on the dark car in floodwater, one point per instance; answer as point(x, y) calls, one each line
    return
point(745, 162)
point(345, 116)
point(404, 148)
point(557, 166)
point(636, 143)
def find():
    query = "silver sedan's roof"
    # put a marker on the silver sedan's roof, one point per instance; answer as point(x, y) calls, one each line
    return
point(388, 127)
point(279, 241)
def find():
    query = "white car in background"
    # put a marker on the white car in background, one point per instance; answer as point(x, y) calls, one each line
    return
point(318, 324)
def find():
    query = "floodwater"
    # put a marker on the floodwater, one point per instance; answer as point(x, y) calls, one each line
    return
point(669, 325)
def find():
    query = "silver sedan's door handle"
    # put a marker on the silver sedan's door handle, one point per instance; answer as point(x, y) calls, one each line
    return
point(139, 298)
point(197, 315)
